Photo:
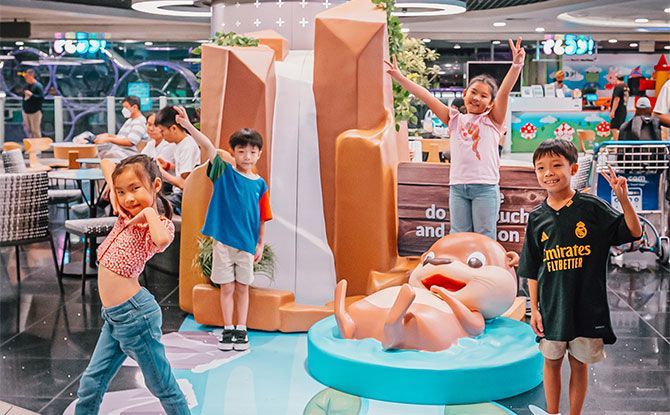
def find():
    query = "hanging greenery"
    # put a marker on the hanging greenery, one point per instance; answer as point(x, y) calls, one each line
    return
point(414, 60)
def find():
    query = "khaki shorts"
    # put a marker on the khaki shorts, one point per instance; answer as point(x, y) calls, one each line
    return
point(584, 349)
point(230, 264)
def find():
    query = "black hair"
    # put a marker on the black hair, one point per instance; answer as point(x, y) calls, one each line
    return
point(132, 100)
point(166, 117)
point(148, 171)
point(557, 147)
point(488, 80)
point(246, 137)
point(621, 77)
point(31, 72)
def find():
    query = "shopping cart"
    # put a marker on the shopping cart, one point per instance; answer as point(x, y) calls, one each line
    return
point(645, 165)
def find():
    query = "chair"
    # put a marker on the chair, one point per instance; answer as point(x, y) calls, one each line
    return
point(585, 136)
point(34, 146)
point(24, 214)
point(434, 147)
point(14, 163)
point(10, 145)
point(88, 229)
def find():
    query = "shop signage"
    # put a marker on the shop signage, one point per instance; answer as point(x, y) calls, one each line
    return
point(423, 205)
point(79, 43)
point(570, 45)
point(643, 191)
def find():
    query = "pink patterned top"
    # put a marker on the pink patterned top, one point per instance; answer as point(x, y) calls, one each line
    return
point(127, 248)
point(474, 148)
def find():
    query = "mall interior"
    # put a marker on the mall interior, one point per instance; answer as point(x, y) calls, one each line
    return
point(362, 289)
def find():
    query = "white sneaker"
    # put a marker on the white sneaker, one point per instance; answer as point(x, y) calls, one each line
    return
point(538, 411)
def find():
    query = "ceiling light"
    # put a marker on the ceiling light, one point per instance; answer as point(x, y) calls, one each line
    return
point(539, 29)
point(441, 72)
point(425, 40)
point(667, 10)
point(447, 65)
point(203, 41)
point(611, 22)
point(19, 43)
point(7, 57)
point(496, 42)
point(193, 60)
point(666, 47)
point(405, 30)
point(159, 7)
point(633, 45)
point(612, 41)
point(457, 46)
point(128, 41)
point(642, 20)
point(499, 24)
point(148, 43)
point(432, 9)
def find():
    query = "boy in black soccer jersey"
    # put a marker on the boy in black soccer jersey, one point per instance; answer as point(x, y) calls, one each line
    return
point(565, 257)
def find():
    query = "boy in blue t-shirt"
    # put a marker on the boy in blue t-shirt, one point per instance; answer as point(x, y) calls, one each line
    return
point(236, 216)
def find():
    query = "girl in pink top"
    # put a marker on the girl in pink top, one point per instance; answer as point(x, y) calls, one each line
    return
point(132, 317)
point(474, 194)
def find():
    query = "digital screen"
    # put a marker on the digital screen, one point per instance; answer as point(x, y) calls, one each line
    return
point(142, 90)
point(497, 70)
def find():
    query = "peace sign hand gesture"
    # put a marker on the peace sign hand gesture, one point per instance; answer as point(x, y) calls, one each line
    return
point(392, 68)
point(518, 52)
point(618, 184)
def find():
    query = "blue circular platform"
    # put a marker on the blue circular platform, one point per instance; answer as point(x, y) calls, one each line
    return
point(503, 361)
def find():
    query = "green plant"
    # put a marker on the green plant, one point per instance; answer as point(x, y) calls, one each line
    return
point(414, 60)
point(203, 259)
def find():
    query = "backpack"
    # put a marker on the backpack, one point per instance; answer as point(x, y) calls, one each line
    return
point(640, 128)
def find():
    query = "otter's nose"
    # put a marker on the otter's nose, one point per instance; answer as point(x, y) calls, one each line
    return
point(437, 261)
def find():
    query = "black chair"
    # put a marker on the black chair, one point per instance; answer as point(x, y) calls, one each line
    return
point(24, 214)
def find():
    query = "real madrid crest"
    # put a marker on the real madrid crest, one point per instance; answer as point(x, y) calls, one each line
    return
point(580, 230)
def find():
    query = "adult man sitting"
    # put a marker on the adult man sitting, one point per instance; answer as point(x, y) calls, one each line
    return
point(124, 143)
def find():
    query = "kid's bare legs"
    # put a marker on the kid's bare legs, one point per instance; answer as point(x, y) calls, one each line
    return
point(234, 297)
point(579, 379)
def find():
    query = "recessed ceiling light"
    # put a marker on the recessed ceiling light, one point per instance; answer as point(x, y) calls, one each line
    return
point(441, 72)
point(612, 41)
point(539, 29)
point(642, 20)
point(425, 40)
point(499, 24)
point(405, 30)
point(496, 42)
point(633, 45)
point(667, 10)
point(447, 65)
point(666, 47)
point(148, 43)
point(610, 21)
point(19, 43)
point(203, 41)
point(432, 9)
point(158, 7)
point(457, 46)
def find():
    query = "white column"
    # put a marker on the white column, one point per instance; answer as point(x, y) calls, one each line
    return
point(111, 116)
point(58, 118)
point(216, 24)
point(162, 102)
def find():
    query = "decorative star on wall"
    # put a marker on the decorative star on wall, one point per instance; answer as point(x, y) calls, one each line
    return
point(280, 22)
point(303, 22)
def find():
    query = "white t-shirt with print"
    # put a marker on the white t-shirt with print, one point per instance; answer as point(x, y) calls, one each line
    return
point(186, 157)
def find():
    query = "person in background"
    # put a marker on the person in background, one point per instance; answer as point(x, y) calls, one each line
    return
point(559, 77)
point(565, 256)
point(33, 97)
point(156, 146)
point(662, 107)
point(186, 154)
point(124, 143)
point(618, 110)
point(643, 126)
point(459, 104)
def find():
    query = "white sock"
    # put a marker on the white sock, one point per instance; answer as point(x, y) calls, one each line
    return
point(231, 327)
point(241, 327)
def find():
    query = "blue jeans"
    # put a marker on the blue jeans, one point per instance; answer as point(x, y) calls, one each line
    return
point(474, 208)
point(131, 329)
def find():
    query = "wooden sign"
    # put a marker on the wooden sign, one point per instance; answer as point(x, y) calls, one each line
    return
point(423, 205)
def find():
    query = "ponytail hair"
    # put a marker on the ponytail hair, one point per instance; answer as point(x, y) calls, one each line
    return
point(147, 170)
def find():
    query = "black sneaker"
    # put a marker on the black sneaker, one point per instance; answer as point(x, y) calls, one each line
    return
point(226, 342)
point(240, 340)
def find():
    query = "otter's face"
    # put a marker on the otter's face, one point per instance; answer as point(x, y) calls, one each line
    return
point(473, 268)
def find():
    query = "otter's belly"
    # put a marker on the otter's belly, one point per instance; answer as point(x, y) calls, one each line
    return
point(385, 298)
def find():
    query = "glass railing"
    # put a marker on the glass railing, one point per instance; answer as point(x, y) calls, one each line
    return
point(62, 120)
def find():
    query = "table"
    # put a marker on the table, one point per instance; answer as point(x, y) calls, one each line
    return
point(62, 149)
point(95, 160)
point(80, 176)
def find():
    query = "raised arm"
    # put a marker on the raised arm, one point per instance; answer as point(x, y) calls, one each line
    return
point(499, 110)
point(159, 233)
point(440, 110)
point(205, 144)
